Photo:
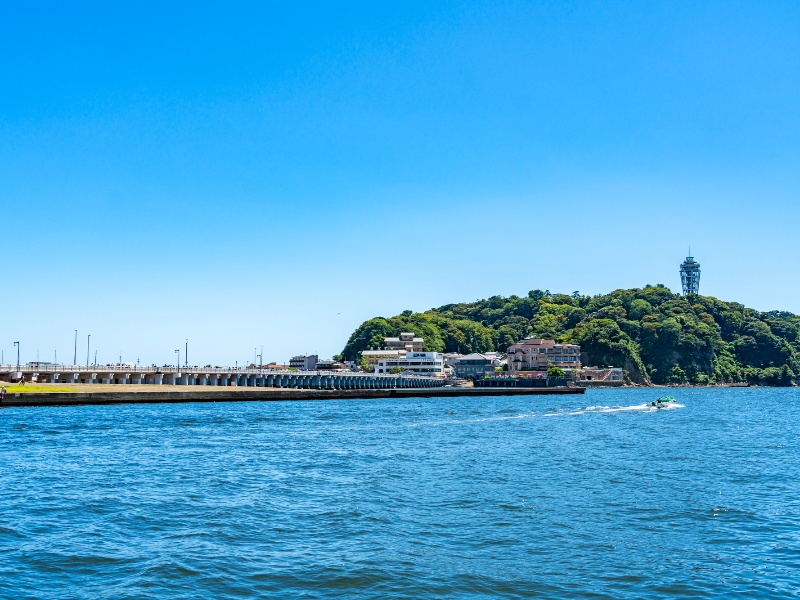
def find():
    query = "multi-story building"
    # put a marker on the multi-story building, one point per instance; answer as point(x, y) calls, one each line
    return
point(373, 356)
point(535, 354)
point(406, 341)
point(418, 363)
point(306, 362)
point(474, 366)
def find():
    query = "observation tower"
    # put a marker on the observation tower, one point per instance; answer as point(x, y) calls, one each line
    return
point(690, 276)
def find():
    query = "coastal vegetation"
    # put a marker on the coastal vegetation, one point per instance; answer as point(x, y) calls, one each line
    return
point(655, 335)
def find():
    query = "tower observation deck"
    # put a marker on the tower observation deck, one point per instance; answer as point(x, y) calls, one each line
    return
point(690, 276)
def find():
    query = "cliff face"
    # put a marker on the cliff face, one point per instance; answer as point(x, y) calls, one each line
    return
point(654, 334)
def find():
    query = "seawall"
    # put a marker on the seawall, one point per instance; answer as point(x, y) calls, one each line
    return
point(261, 394)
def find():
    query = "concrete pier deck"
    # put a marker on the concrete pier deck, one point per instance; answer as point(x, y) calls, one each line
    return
point(173, 395)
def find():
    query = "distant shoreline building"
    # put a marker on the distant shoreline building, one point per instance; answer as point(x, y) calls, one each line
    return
point(474, 366)
point(690, 276)
point(406, 341)
point(417, 363)
point(395, 352)
point(373, 356)
point(535, 354)
point(306, 362)
point(330, 365)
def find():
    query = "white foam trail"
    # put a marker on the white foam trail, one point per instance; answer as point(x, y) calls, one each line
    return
point(606, 409)
point(646, 407)
point(641, 407)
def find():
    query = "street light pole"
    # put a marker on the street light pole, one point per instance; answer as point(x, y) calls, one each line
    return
point(75, 355)
point(17, 345)
point(88, 339)
point(186, 355)
point(178, 352)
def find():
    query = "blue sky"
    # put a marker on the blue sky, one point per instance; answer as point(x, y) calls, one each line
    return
point(246, 174)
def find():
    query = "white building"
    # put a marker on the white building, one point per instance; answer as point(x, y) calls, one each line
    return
point(417, 363)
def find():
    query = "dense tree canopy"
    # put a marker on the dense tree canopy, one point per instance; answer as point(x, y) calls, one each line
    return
point(654, 334)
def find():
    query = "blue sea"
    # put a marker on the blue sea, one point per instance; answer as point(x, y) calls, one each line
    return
point(594, 496)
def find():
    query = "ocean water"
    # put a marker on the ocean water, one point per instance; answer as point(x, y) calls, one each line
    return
point(560, 497)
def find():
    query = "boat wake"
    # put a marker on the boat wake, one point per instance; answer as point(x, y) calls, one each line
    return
point(646, 407)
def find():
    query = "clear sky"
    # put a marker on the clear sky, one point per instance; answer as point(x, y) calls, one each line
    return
point(246, 174)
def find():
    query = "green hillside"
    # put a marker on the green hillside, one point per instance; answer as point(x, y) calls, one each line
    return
point(657, 336)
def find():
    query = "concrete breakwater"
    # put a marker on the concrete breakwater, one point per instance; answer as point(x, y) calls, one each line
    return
point(260, 394)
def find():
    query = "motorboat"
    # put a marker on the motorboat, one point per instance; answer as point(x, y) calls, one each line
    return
point(662, 402)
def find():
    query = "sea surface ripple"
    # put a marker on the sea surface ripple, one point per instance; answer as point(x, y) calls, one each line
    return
point(561, 497)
